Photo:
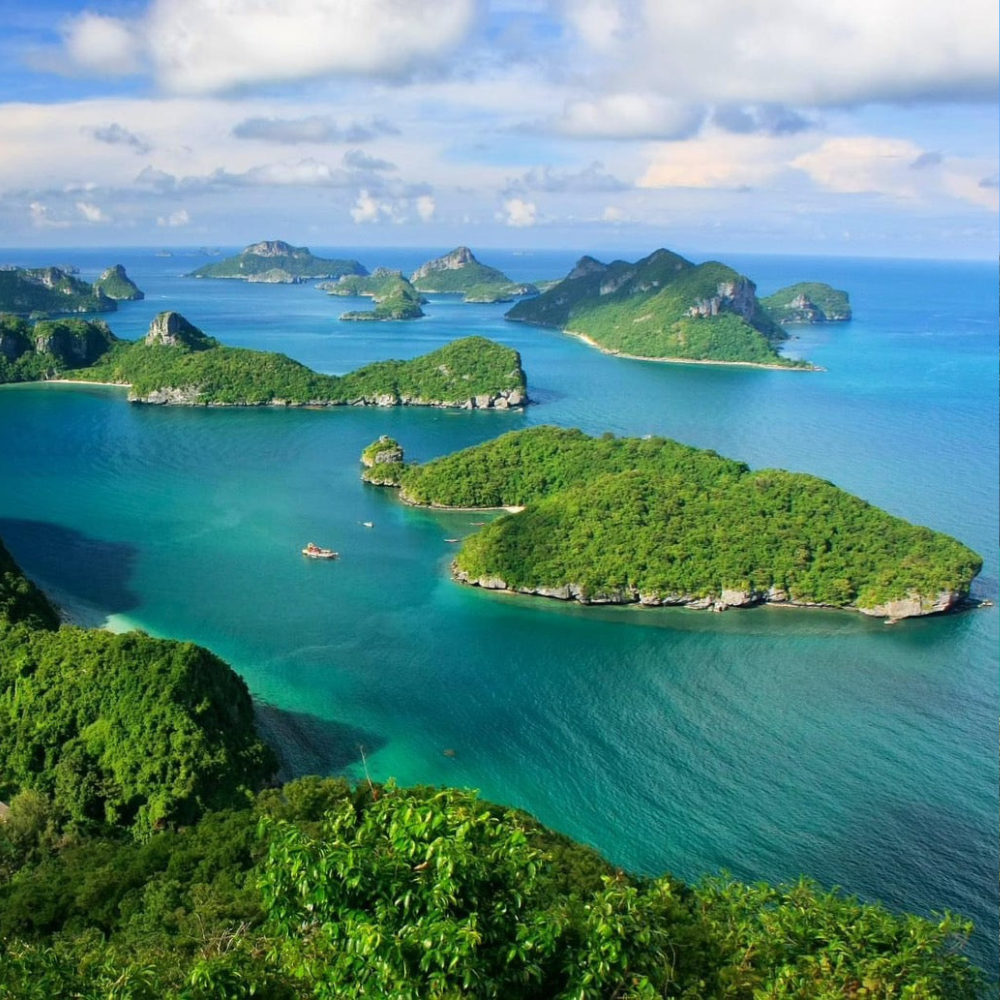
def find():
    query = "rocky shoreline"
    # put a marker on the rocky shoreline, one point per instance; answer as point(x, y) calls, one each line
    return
point(912, 606)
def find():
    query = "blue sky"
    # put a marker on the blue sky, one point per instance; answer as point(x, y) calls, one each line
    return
point(869, 127)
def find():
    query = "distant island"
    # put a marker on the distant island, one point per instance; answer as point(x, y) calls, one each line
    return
point(459, 272)
point(654, 522)
point(116, 284)
point(662, 308)
point(808, 302)
point(395, 298)
point(277, 262)
point(40, 291)
point(178, 364)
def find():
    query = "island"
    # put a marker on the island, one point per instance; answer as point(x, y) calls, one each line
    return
point(277, 262)
point(395, 298)
point(653, 522)
point(116, 284)
point(41, 291)
point(48, 348)
point(662, 308)
point(458, 272)
point(176, 363)
point(808, 302)
point(147, 851)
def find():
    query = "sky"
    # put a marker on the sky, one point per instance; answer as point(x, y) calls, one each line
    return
point(864, 127)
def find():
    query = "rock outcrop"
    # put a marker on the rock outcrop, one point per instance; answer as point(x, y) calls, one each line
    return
point(171, 329)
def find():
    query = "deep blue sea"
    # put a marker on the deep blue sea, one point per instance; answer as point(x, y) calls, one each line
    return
point(768, 742)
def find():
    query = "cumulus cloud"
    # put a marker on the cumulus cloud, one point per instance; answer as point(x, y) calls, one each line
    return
point(799, 52)
point(174, 220)
point(108, 46)
point(425, 207)
point(591, 178)
point(205, 46)
point(628, 115)
point(91, 212)
point(357, 160)
point(116, 135)
point(715, 160)
point(519, 213)
point(856, 164)
point(314, 128)
point(41, 218)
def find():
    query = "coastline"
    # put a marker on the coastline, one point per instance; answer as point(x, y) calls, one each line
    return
point(691, 361)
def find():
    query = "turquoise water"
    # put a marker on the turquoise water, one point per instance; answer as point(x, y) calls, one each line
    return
point(768, 742)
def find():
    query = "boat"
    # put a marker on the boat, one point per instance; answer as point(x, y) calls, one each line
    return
point(368, 524)
point(314, 551)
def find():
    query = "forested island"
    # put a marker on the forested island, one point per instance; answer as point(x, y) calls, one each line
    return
point(662, 308)
point(143, 855)
point(176, 363)
point(116, 284)
point(395, 298)
point(459, 272)
point(40, 291)
point(277, 262)
point(808, 302)
point(653, 522)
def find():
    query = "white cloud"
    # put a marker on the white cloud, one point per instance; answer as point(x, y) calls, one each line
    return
point(612, 213)
point(717, 160)
point(367, 209)
point(519, 213)
point(41, 219)
point(628, 116)
point(425, 207)
point(174, 220)
point(107, 46)
point(805, 52)
point(91, 212)
point(857, 164)
point(204, 46)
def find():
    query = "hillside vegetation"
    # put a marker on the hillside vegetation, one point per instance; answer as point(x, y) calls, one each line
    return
point(177, 363)
point(395, 298)
point(43, 290)
point(808, 302)
point(627, 520)
point(662, 307)
point(459, 272)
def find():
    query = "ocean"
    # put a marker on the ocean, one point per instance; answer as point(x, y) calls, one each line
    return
point(767, 742)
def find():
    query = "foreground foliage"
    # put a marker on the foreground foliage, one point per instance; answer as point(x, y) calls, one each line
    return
point(651, 518)
point(318, 890)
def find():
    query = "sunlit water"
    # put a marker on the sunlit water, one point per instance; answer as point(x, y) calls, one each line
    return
point(767, 742)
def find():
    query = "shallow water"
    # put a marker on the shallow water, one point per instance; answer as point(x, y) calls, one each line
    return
point(769, 742)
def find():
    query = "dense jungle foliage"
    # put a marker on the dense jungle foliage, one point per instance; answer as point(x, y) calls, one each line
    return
point(661, 307)
point(184, 884)
point(395, 298)
point(51, 347)
point(655, 518)
point(44, 290)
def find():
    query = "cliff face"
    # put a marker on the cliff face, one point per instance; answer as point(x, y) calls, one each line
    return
point(171, 329)
point(458, 258)
point(809, 302)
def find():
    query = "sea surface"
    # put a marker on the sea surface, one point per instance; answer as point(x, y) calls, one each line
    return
point(767, 742)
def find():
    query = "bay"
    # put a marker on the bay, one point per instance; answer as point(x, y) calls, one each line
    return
point(769, 742)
